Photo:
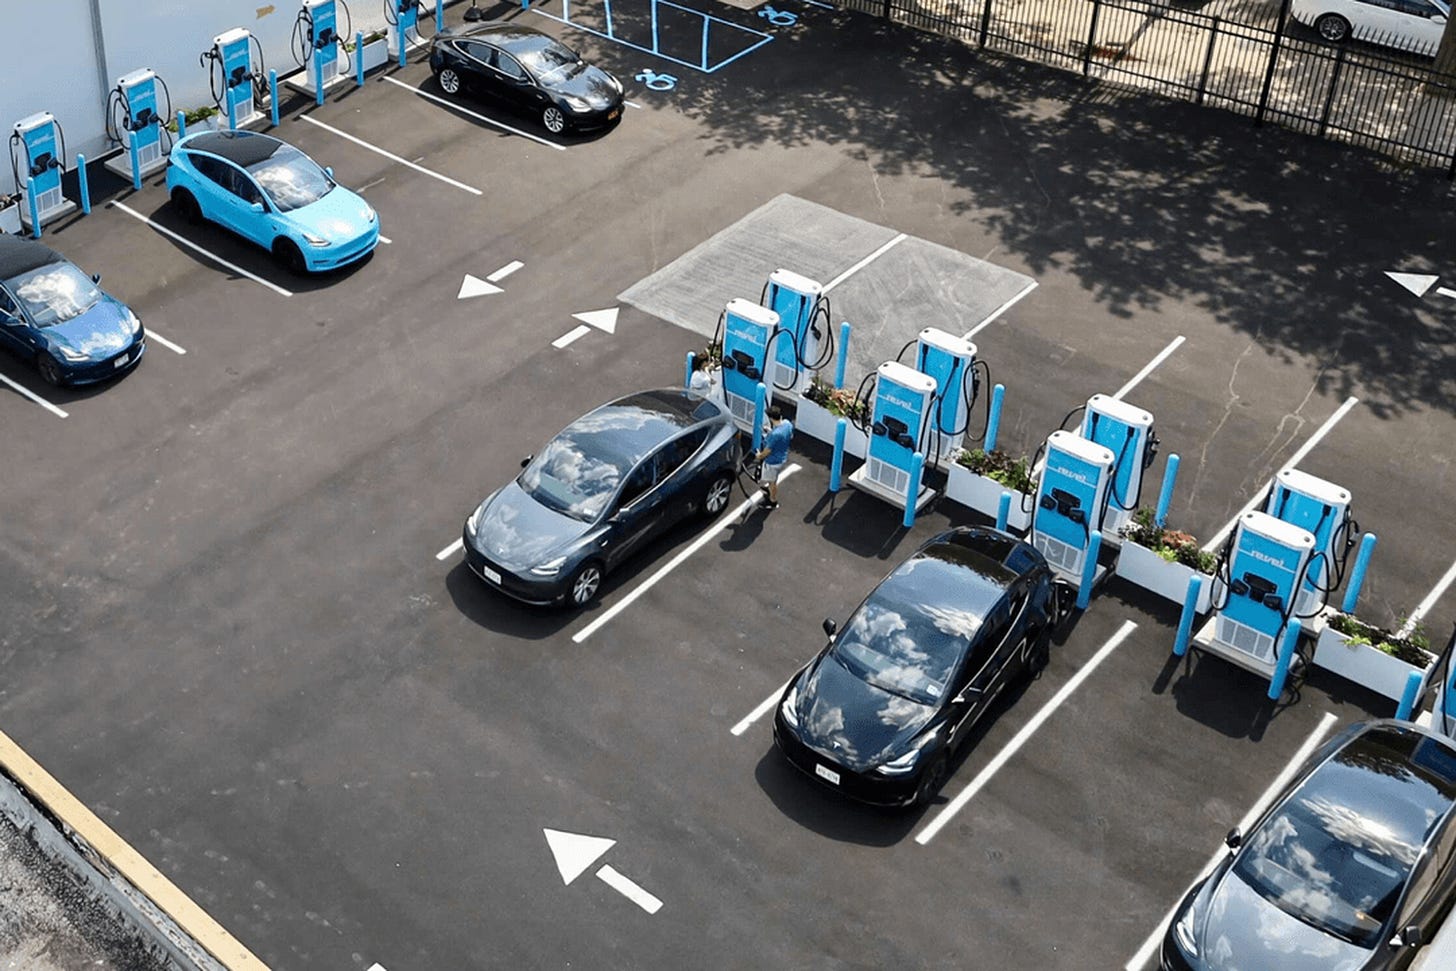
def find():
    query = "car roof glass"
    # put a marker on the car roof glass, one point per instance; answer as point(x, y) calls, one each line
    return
point(244, 148)
point(18, 255)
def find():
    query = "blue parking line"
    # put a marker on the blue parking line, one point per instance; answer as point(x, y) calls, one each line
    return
point(655, 50)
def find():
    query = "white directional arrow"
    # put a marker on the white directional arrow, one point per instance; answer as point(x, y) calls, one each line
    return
point(1417, 283)
point(474, 286)
point(600, 319)
point(575, 853)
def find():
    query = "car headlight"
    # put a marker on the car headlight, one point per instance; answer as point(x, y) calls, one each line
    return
point(1183, 933)
point(369, 214)
point(72, 355)
point(472, 525)
point(790, 707)
point(903, 765)
point(577, 104)
point(313, 240)
point(550, 568)
point(134, 321)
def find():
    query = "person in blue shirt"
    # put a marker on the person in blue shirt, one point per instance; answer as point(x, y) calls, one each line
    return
point(774, 454)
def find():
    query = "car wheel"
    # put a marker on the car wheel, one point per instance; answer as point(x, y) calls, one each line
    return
point(50, 371)
point(449, 81)
point(187, 206)
point(1332, 27)
point(287, 253)
point(585, 584)
point(930, 781)
point(554, 120)
point(715, 500)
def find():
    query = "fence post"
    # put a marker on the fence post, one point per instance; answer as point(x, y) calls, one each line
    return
point(1207, 62)
point(1324, 122)
point(1091, 38)
point(985, 22)
point(889, 9)
point(1274, 49)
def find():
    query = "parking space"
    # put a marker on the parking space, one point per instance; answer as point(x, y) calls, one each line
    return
point(236, 621)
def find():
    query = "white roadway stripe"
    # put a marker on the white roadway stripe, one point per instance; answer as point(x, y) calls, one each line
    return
point(1304, 450)
point(632, 104)
point(385, 240)
point(1446, 291)
point(1150, 946)
point(628, 889)
point(1424, 607)
point(193, 246)
point(757, 713)
point(451, 550)
point(1137, 378)
point(581, 330)
point(391, 156)
point(862, 263)
point(505, 271)
point(1000, 310)
point(476, 115)
point(1027, 730)
point(675, 562)
point(164, 342)
point(35, 397)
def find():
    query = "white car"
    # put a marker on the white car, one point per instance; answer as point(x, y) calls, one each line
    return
point(1411, 25)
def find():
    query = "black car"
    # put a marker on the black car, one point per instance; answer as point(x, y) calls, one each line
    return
point(1352, 868)
point(528, 71)
point(608, 484)
point(878, 714)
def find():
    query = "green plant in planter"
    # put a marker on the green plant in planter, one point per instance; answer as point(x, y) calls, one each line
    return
point(1170, 544)
point(369, 38)
point(837, 401)
point(1414, 648)
point(193, 117)
point(1013, 473)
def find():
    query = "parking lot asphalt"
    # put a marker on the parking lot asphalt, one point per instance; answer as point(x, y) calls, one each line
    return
point(224, 625)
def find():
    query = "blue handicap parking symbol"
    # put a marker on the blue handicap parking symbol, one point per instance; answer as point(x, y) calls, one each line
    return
point(655, 81)
point(779, 18)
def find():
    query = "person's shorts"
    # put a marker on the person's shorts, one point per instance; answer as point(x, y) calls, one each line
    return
point(770, 472)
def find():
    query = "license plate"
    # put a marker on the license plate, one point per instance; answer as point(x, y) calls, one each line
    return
point(828, 775)
point(490, 574)
point(121, 361)
point(611, 115)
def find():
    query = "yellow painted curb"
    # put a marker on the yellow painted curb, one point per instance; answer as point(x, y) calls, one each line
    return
point(192, 919)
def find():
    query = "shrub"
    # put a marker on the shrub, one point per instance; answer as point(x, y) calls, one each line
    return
point(1013, 473)
point(1171, 544)
point(1414, 648)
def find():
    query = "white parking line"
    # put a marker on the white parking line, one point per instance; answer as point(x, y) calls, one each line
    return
point(385, 240)
point(451, 550)
point(1002, 757)
point(476, 115)
point(1298, 457)
point(1424, 607)
point(1145, 953)
point(757, 713)
point(152, 333)
point(863, 263)
point(207, 253)
point(1000, 310)
point(581, 330)
point(391, 156)
point(632, 104)
point(1137, 378)
point(675, 562)
point(505, 271)
point(35, 397)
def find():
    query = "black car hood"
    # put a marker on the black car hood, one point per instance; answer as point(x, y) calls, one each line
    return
point(854, 722)
point(591, 83)
point(518, 532)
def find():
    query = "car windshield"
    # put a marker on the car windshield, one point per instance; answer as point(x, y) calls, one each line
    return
point(905, 639)
point(55, 293)
point(291, 179)
point(575, 474)
point(543, 56)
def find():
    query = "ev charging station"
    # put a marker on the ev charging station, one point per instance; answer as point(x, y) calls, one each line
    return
point(1127, 431)
point(747, 330)
point(233, 76)
point(37, 161)
point(796, 346)
point(135, 117)
point(901, 416)
point(316, 46)
point(1071, 498)
point(951, 361)
point(1322, 509)
point(402, 18)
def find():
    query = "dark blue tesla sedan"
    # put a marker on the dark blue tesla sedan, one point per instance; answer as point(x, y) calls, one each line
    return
point(56, 316)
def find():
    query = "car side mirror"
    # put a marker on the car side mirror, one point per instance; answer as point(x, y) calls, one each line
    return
point(257, 207)
point(1411, 937)
point(329, 171)
point(526, 461)
point(1234, 839)
point(830, 627)
point(96, 278)
point(967, 694)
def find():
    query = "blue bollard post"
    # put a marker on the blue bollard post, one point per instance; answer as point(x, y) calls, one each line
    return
point(400, 31)
point(232, 110)
point(836, 464)
point(359, 58)
point(273, 96)
point(1408, 696)
point(1165, 496)
point(993, 421)
point(1185, 620)
point(181, 126)
point(439, 15)
point(318, 80)
point(760, 397)
point(1357, 576)
point(136, 163)
point(688, 370)
point(1089, 572)
point(1003, 510)
point(1286, 656)
point(34, 207)
point(912, 491)
point(85, 183)
point(843, 354)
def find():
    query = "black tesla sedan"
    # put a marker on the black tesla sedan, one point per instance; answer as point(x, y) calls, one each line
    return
point(878, 714)
point(1351, 868)
point(608, 484)
point(527, 71)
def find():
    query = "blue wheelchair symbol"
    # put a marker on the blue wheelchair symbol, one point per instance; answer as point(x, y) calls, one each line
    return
point(655, 81)
point(779, 18)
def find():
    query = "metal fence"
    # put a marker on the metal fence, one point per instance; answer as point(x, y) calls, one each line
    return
point(1340, 92)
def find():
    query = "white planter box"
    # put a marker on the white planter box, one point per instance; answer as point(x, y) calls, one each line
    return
point(816, 421)
point(10, 220)
point(984, 495)
point(376, 54)
point(1141, 566)
point(1363, 664)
